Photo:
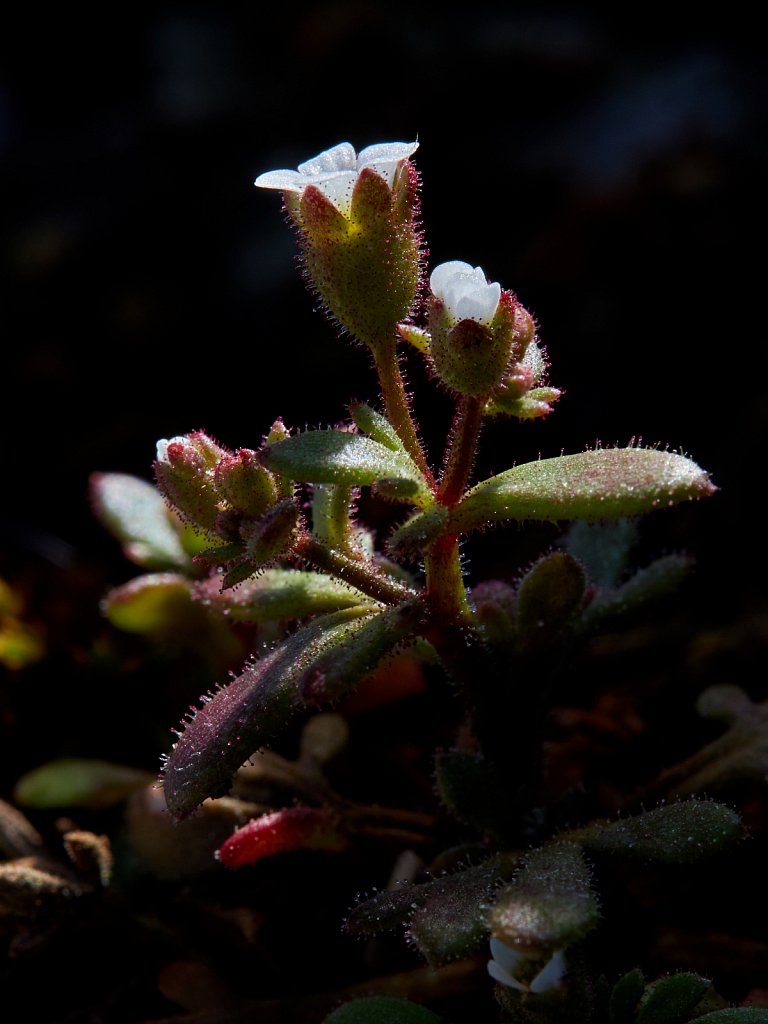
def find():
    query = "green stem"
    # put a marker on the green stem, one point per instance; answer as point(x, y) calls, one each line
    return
point(461, 455)
point(396, 403)
point(445, 584)
point(362, 575)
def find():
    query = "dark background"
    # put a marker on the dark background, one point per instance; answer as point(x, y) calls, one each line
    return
point(607, 167)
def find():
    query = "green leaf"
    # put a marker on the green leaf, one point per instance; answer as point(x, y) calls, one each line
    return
point(78, 782)
point(602, 548)
point(418, 532)
point(471, 790)
point(735, 1015)
point(279, 594)
point(154, 603)
point(338, 457)
point(451, 921)
point(386, 910)
point(656, 580)
point(679, 833)
point(548, 597)
point(549, 905)
point(382, 1010)
point(625, 997)
point(249, 712)
point(136, 514)
point(415, 336)
point(671, 1000)
point(376, 425)
point(607, 483)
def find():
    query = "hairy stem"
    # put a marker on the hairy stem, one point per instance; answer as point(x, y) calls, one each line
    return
point(396, 404)
point(360, 574)
point(461, 454)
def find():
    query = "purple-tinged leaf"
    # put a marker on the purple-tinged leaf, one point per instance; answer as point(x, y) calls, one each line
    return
point(247, 713)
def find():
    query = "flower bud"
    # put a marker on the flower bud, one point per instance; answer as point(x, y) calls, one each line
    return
point(271, 536)
point(360, 245)
point(184, 471)
point(245, 483)
point(476, 329)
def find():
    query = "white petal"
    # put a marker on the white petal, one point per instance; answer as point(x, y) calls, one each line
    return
point(550, 975)
point(338, 158)
point(504, 977)
point(338, 188)
point(386, 169)
point(443, 273)
point(506, 956)
point(387, 151)
point(479, 304)
point(287, 181)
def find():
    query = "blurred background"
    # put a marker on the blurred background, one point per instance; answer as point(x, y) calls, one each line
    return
point(608, 167)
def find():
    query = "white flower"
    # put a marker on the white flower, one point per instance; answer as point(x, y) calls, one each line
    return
point(335, 171)
point(506, 959)
point(465, 291)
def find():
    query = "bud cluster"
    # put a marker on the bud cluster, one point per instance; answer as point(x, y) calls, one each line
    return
point(229, 496)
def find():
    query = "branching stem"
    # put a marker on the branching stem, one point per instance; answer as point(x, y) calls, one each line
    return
point(357, 573)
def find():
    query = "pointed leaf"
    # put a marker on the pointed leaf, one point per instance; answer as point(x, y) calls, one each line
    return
point(279, 594)
point(607, 483)
point(378, 426)
point(247, 713)
point(135, 512)
point(338, 457)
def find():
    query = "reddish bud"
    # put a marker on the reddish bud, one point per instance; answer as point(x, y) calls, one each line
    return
point(291, 828)
point(184, 471)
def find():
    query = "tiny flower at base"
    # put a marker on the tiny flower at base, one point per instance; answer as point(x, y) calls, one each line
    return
point(508, 962)
point(359, 241)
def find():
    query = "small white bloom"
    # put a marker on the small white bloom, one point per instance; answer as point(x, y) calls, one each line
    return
point(162, 447)
point(335, 170)
point(506, 959)
point(465, 291)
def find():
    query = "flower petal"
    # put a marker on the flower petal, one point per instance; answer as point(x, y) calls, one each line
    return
point(443, 273)
point(338, 188)
point(504, 977)
point(337, 158)
point(550, 975)
point(506, 956)
point(480, 304)
point(386, 151)
point(287, 181)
